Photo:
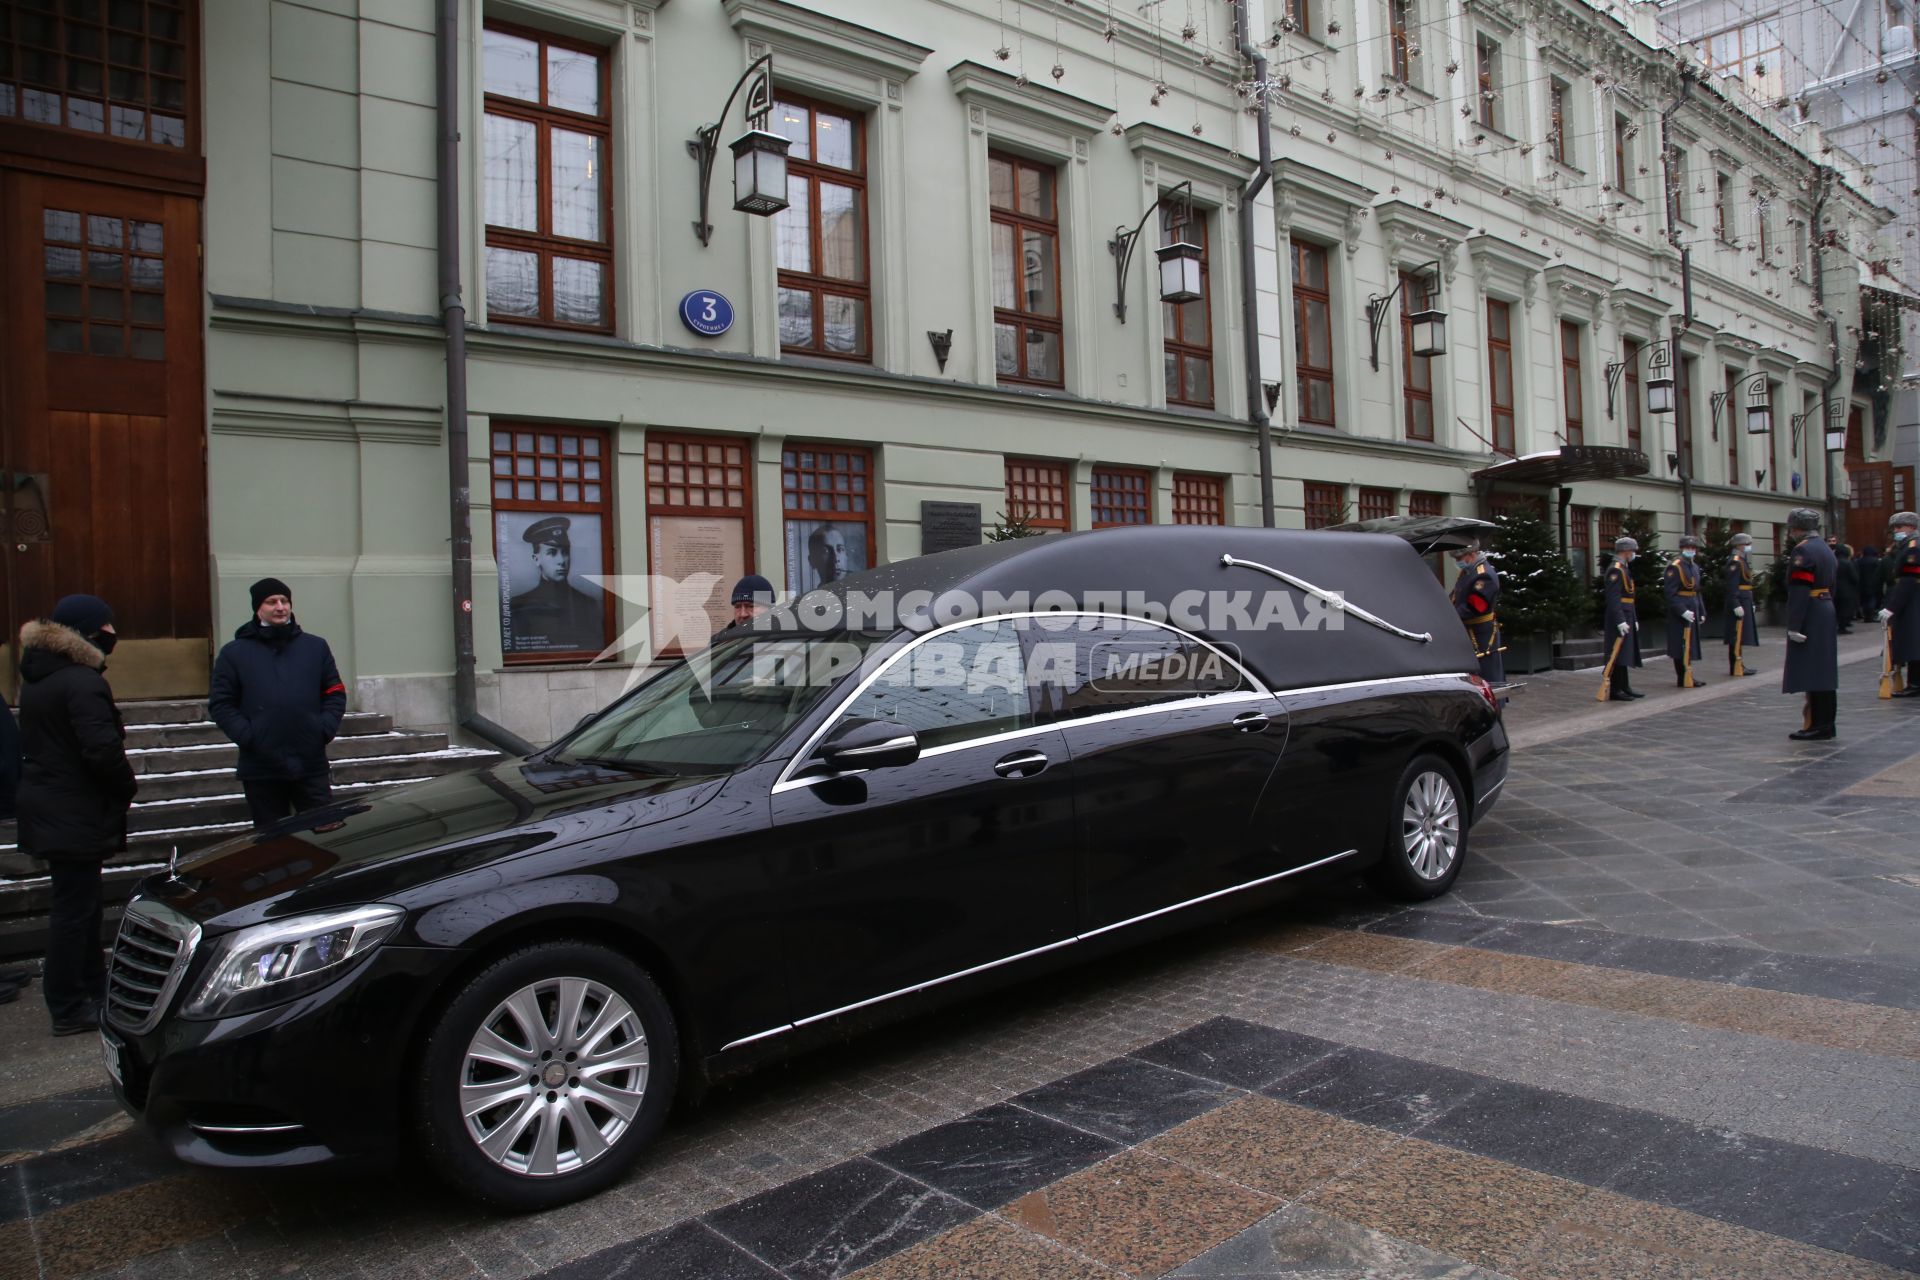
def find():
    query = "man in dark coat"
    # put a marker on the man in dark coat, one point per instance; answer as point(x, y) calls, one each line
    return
point(1686, 609)
point(1813, 644)
point(1902, 609)
point(1846, 585)
point(277, 693)
point(1622, 621)
point(75, 789)
point(1866, 567)
point(1476, 597)
point(1742, 626)
point(554, 614)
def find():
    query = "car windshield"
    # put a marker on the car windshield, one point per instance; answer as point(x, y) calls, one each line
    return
point(722, 707)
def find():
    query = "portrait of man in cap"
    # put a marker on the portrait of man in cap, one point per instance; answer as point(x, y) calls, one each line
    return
point(551, 614)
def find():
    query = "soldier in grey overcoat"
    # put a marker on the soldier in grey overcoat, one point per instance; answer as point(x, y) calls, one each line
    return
point(1622, 621)
point(1813, 630)
point(1686, 609)
point(1741, 623)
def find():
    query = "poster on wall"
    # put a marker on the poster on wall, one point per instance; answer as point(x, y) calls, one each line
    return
point(823, 551)
point(707, 554)
point(550, 567)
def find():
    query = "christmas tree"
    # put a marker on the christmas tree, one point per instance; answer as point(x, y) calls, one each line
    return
point(1539, 591)
point(1714, 558)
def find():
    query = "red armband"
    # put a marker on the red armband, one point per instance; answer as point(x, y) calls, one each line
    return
point(1478, 602)
point(333, 688)
point(1802, 575)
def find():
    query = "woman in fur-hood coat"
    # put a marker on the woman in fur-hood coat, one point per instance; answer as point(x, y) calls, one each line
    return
point(75, 782)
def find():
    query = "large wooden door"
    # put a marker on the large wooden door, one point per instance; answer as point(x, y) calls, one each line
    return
point(102, 456)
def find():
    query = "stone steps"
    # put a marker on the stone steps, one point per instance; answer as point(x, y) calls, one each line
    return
point(204, 732)
point(1581, 654)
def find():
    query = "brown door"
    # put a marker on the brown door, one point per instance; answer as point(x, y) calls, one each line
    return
point(102, 459)
point(1871, 504)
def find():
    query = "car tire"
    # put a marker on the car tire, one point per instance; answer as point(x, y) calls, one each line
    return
point(1426, 839)
point(546, 1076)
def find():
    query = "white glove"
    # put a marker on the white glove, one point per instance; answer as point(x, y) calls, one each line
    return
point(1623, 628)
point(1739, 611)
point(1886, 615)
point(1636, 625)
point(1796, 637)
point(1688, 615)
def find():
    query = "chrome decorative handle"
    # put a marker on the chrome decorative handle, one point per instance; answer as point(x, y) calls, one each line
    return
point(1020, 764)
point(1250, 721)
point(1424, 637)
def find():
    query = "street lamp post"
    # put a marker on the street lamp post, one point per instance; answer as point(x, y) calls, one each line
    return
point(759, 155)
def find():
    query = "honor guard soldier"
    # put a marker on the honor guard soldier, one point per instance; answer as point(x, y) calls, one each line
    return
point(1813, 636)
point(1742, 630)
point(1686, 610)
point(1902, 612)
point(1623, 621)
point(1476, 595)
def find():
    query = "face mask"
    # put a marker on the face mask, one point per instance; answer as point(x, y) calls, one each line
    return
point(1688, 553)
point(1901, 535)
point(104, 641)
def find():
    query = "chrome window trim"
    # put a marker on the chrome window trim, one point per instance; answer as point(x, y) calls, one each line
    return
point(231, 1130)
point(1024, 955)
point(786, 780)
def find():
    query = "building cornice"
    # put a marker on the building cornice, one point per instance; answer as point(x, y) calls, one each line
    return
point(1187, 155)
point(979, 85)
point(832, 40)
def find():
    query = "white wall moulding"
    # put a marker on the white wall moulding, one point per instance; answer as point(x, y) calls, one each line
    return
point(1035, 105)
point(1637, 312)
point(1504, 267)
point(1573, 293)
point(1321, 203)
point(790, 29)
point(1216, 172)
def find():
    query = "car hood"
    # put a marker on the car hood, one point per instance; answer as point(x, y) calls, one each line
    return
point(370, 849)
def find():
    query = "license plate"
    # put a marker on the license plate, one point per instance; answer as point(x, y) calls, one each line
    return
point(110, 1050)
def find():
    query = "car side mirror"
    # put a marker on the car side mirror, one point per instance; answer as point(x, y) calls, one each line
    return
point(869, 744)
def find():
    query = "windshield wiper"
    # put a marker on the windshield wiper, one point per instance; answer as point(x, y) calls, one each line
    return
point(626, 766)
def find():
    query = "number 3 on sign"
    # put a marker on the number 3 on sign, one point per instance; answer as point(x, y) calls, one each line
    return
point(707, 313)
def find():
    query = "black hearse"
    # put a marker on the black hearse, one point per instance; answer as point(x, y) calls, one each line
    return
point(938, 775)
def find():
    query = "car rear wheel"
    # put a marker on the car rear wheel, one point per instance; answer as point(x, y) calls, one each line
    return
point(547, 1075)
point(1426, 835)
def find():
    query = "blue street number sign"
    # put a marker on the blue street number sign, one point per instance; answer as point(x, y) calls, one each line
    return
point(706, 313)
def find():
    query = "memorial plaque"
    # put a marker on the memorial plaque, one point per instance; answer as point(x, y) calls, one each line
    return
point(946, 525)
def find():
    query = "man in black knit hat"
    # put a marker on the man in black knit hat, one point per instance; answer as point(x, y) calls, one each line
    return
point(277, 693)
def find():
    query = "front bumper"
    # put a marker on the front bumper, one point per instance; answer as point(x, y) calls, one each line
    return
point(321, 1078)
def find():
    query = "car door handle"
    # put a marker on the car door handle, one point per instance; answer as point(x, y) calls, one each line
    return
point(1250, 721)
point(1021, 764)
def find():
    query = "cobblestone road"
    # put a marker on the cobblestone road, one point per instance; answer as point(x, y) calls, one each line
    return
point(1668, 1025)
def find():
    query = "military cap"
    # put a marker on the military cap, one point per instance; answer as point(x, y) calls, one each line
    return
point(1625, 544)
point(1742, 540)
point(550, 532)
point(1688, 540)
point(1803, 519)
point(1904, 517)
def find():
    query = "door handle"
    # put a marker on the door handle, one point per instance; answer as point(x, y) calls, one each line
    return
point(1250, 721)
point(1020, 764)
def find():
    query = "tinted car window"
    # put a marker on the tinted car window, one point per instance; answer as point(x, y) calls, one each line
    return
point(1116, 664)
point(963, 684)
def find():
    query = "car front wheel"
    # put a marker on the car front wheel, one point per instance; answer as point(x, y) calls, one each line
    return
point(1426, 835)
point(547, 1075)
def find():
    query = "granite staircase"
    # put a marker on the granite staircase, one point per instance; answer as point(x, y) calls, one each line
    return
point(1580, 654)
point(189, 798)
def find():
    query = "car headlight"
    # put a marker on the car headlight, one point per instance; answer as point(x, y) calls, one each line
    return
point(268, 964)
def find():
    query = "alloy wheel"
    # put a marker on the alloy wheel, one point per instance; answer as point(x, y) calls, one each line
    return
point(554, 1076)
point(1430, 826)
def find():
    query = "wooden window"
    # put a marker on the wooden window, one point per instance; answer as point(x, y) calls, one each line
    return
point(1400, 39)
point(1856, 449)
point(1301, 14)
point(1630, 353)
point(1773, 450)
point(553, 540)
point(1682, 192)
point(699, 520)
point(1760, 230)
point(820, 238)
point(1622, 153)
point(1188, 325)
point(1903, 488)
point(1325, 504)
point(1037, 491)
point(1610, 528)
point(1557, 120)
point(547, 144)
point(826, 497)
point(104, 281)
point(1732, 424)
point(1199, 499)
point(1683, 412)
point(1313, 334)
point(1121, 495)
point(1500, 373)
point(1580, 541)
point(1572, 386)
point(1426, 504)
point(1376, 503)
point(1416, 372)
point(1027, 339)
point(1723, 208)
point(1487, 67)
point(120, 70)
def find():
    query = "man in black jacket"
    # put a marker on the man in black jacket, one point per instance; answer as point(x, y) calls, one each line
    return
point(75, 789)
point(277, 693)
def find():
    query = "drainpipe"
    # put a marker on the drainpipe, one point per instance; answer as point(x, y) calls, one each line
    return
point(1824, 176)
point(1679, 325)
point(1249, 298)
point(453, 313)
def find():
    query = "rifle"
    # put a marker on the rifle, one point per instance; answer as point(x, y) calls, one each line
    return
point(1606, 677)
point(1887, 678)
point(1739, 626)
point(1686, 654)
